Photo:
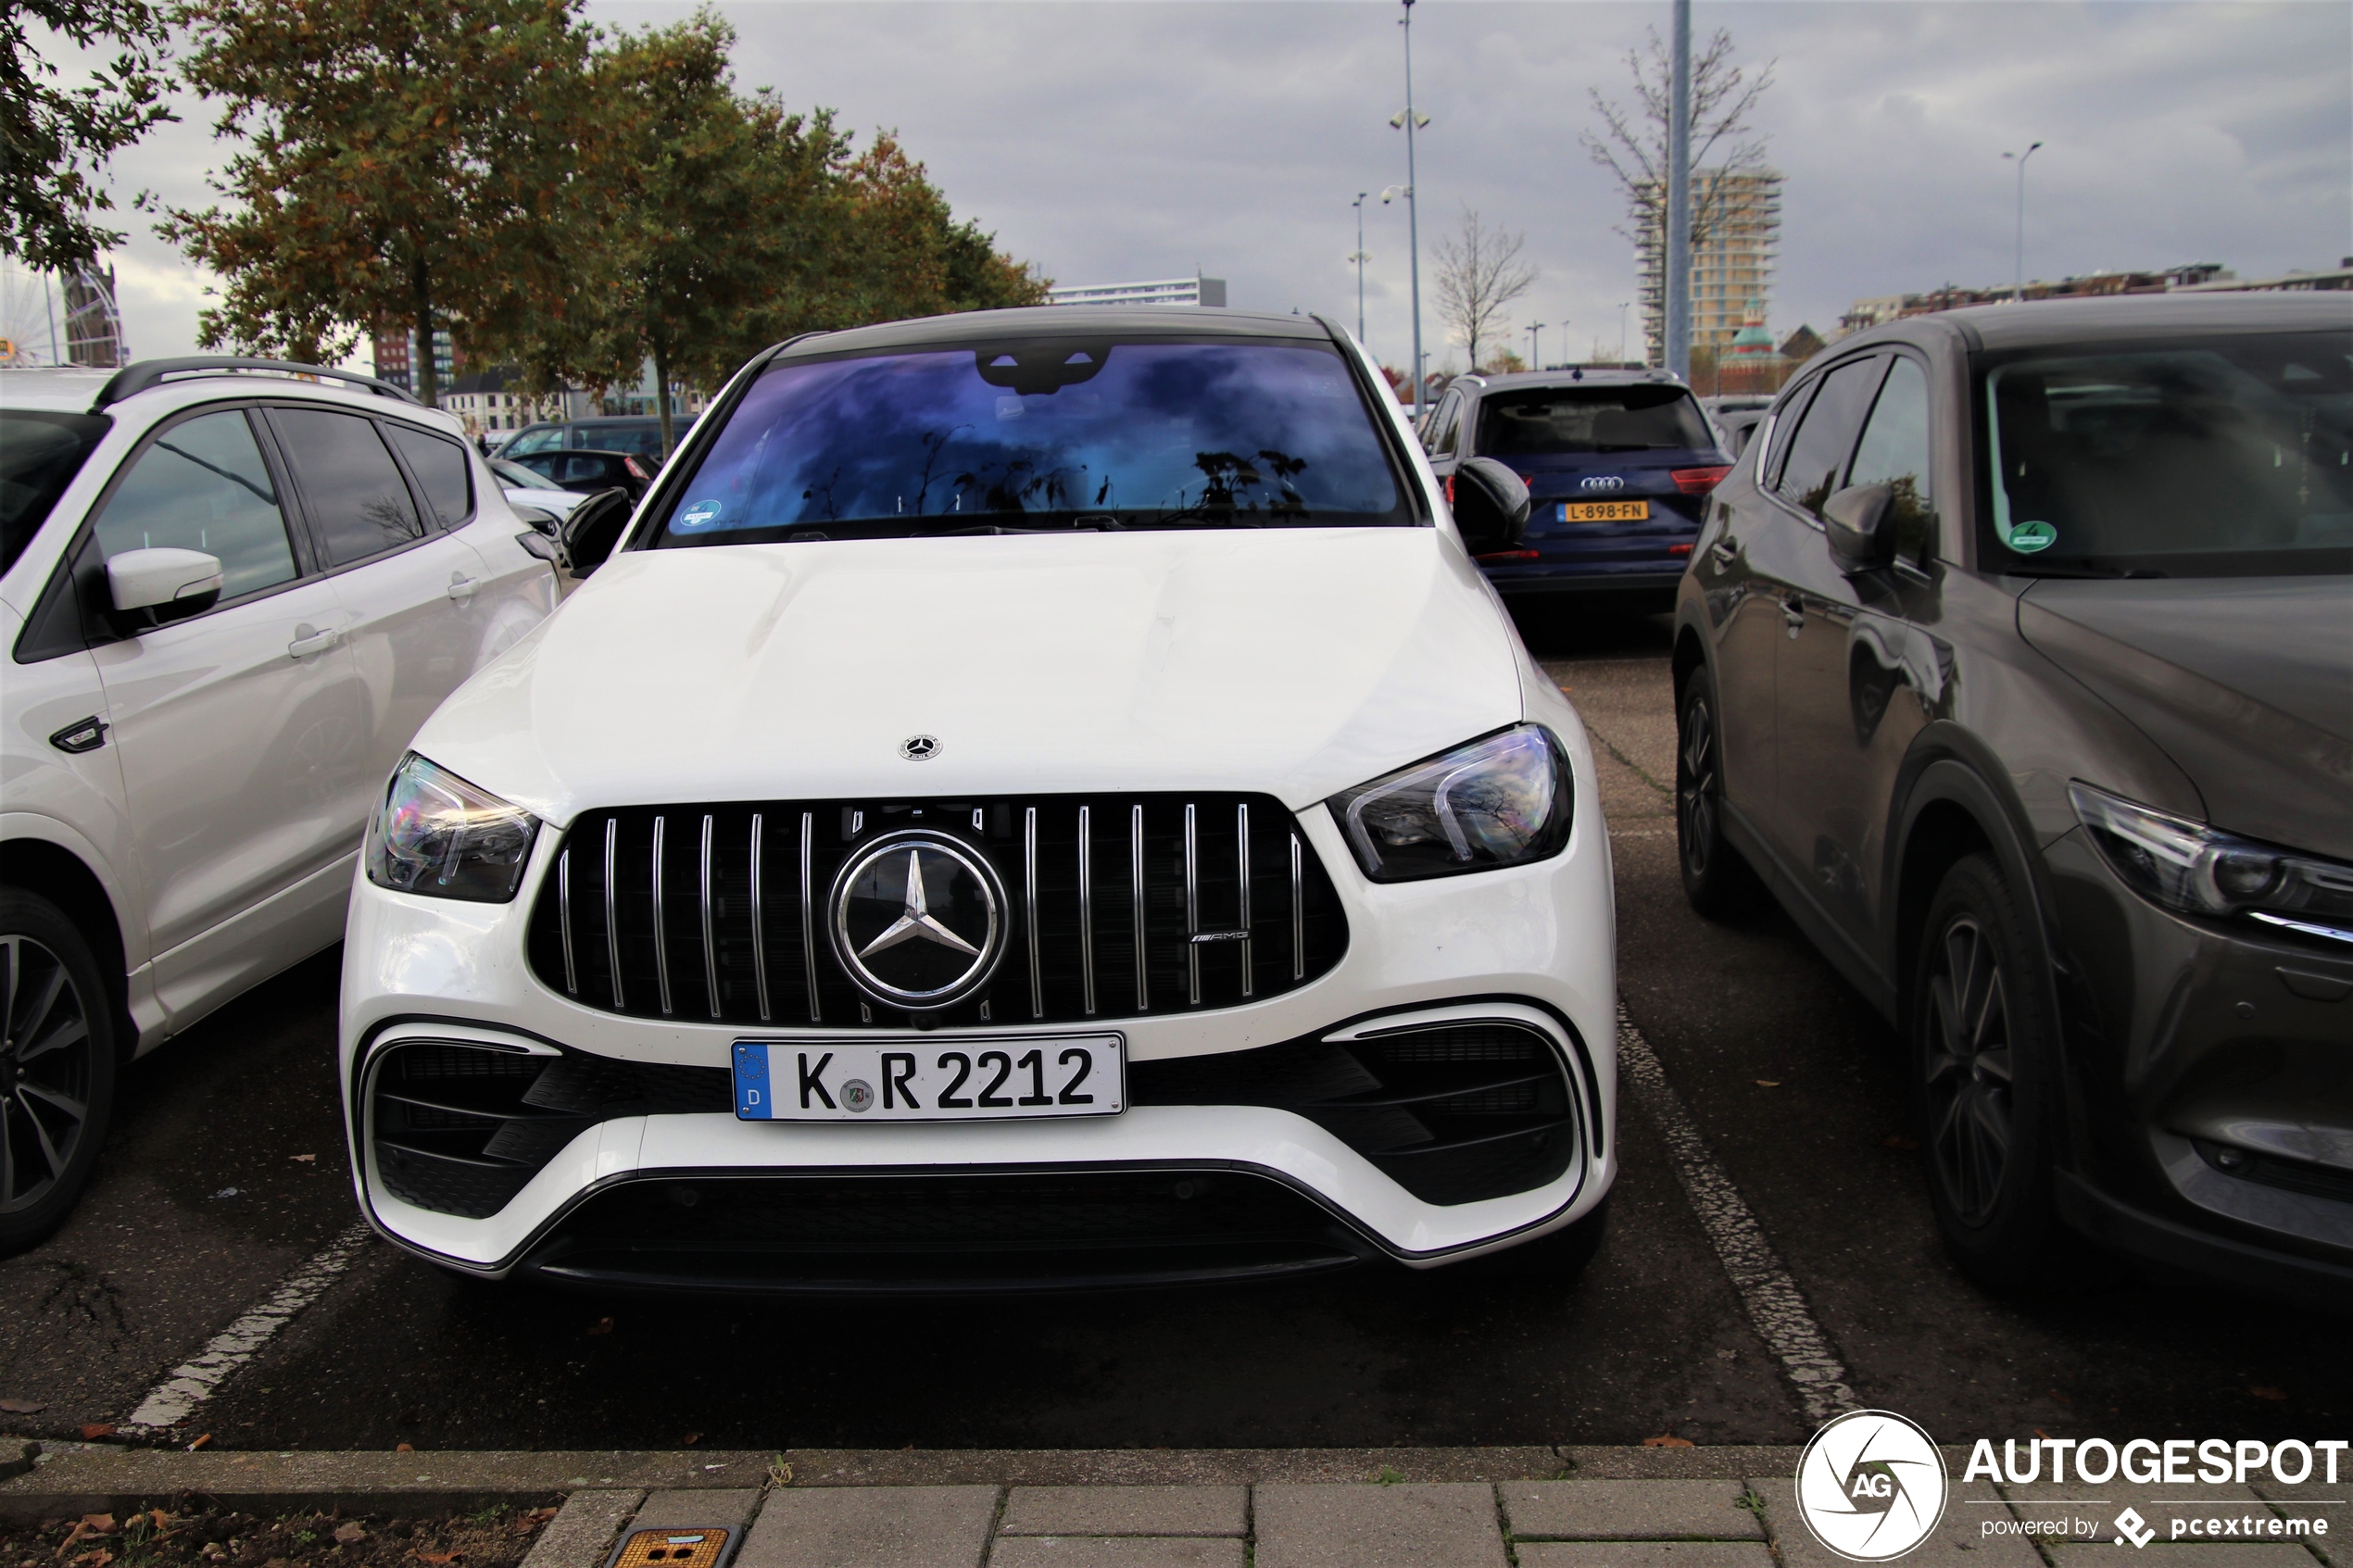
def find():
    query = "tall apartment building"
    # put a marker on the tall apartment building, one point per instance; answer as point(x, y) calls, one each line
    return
point(1731, 267)
point(395, 352)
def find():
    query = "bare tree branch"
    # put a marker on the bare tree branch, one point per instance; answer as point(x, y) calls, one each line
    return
point(1632, 142)
point(1479, 273)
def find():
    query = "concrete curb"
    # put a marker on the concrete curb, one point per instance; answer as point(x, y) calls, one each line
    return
point(84, 1478)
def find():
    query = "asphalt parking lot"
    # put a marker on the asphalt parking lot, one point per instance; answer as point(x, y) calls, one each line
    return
point(225, 1173)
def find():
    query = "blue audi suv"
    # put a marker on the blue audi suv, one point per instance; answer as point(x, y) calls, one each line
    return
point(1617, 465)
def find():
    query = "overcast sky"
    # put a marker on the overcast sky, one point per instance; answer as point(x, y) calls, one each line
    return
point(1109, 140)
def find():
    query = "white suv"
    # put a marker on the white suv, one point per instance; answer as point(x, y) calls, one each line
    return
point(229, 597)
point(1038, 798)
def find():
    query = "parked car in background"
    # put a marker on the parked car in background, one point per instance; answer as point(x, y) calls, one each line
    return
point(526, 488)
point(1617, 465)
point(731, 958)
point(638, 436)
point(585, 473)
point(2017, 658)
point(1735, 426)
point(229, 598)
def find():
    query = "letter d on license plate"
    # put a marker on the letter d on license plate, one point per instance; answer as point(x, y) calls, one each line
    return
point(926, 1078)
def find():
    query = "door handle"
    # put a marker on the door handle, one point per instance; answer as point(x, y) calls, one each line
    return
point(308, 639)
point(461, 587)
point(1725, 553)
point(1793, 614)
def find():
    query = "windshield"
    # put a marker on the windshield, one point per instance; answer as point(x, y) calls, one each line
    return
point(1045, 435)
point(40, 454)
point(1558, 420)
point(2211, 457)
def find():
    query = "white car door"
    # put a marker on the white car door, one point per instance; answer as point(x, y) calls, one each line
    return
point(515, 589)
point(407, 585)
point(240, 731)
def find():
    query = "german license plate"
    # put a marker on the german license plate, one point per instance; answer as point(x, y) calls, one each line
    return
point(925, 1078)
point(1605, 512)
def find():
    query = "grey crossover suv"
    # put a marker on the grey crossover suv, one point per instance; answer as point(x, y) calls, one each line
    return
point(2016, 659)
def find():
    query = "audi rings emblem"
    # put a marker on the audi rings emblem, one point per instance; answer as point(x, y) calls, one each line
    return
point(1602, 481)
point(918, 920)
point(919, 748)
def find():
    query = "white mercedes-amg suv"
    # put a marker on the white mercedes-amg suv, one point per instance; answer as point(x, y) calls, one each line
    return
point(1037, 800)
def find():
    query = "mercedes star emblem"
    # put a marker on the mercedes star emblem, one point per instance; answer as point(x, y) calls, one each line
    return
point(919, 748)
point(918, 918)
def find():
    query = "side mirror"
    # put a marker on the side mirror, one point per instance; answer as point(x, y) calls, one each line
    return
point(169, 582)
point(593, 529)
point(1491, 505)
point(1856, 524)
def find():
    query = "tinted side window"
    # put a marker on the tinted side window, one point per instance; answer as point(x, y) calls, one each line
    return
point(1825, 435)
point(1895, 453)
point(40, 454)
point(1444, 424)
point(442, 470)
point(202, 485)
point(357, 502)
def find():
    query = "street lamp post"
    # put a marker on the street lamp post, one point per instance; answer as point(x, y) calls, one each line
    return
point(1409, 122)
point(2020, 159)
point(1622, 308)
point(1535, 344)
point(1360, 259)
point(1679, 199)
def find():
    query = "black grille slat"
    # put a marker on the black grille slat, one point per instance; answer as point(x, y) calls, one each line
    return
point(715, 950)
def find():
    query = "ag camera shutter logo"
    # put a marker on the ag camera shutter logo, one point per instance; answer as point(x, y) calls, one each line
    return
point(1872, 1486)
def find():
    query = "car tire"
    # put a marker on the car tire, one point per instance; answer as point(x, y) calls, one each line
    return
point(57, 1060)
point(1985, 1059)
point(1717, 880)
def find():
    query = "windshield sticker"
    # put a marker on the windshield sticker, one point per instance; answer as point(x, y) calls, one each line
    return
point(2028, 538)
point(702, 514)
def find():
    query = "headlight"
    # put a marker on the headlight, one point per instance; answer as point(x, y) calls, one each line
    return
point(1501, 801)
point(2192, 868)
point(439, 835)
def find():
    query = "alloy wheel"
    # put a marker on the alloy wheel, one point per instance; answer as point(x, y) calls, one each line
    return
point(1969, 1070)
point(45, 1071)
point(1695, 788)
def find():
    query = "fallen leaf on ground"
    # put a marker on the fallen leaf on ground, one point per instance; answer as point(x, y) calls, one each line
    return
point(96, 1557)
point(103, 1523)
point(161, 1520)
point(23, 1407)
point(602, 1326)
point(1769, 1083)
point(96, 1430)
point(349, 1533)
point(2059, 1397)
point(439, 1558)
point(690, 1439)
point(404, 1448)
point(305, 1159)
point(2261, 1392)
point(200, 1442)
point(1668, 1441)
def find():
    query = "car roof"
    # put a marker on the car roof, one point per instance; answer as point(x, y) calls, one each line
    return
point(1518, 380)
point(2042, 323)
point(1174, 323)
point(74, 389)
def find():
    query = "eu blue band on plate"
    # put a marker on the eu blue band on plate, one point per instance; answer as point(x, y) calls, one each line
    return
point(751, 1081)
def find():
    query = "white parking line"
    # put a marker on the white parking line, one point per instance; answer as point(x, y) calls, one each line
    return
point(175, 1399)
point(1774, 1302)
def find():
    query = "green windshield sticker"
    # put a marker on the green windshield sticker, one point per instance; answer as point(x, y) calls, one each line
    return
point(2028, 538)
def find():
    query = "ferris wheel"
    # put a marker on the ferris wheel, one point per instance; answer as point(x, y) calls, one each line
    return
point(49, 319)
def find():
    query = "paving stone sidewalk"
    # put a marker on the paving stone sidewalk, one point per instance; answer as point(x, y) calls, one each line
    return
point(1745, 1523)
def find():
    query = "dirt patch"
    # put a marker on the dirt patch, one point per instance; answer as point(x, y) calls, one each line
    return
point(194, 1535)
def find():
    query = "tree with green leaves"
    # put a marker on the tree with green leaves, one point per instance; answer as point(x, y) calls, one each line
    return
point(54, 140)
point(402, 164)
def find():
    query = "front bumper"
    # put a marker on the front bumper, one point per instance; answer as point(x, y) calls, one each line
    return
point(1532, 946)
point(2214, 1070)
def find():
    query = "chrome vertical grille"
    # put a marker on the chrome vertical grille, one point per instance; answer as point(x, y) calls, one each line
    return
point(1219, 901)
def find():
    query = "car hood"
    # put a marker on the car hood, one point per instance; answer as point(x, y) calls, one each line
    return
point(2245, 682)
point(1295, 661)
